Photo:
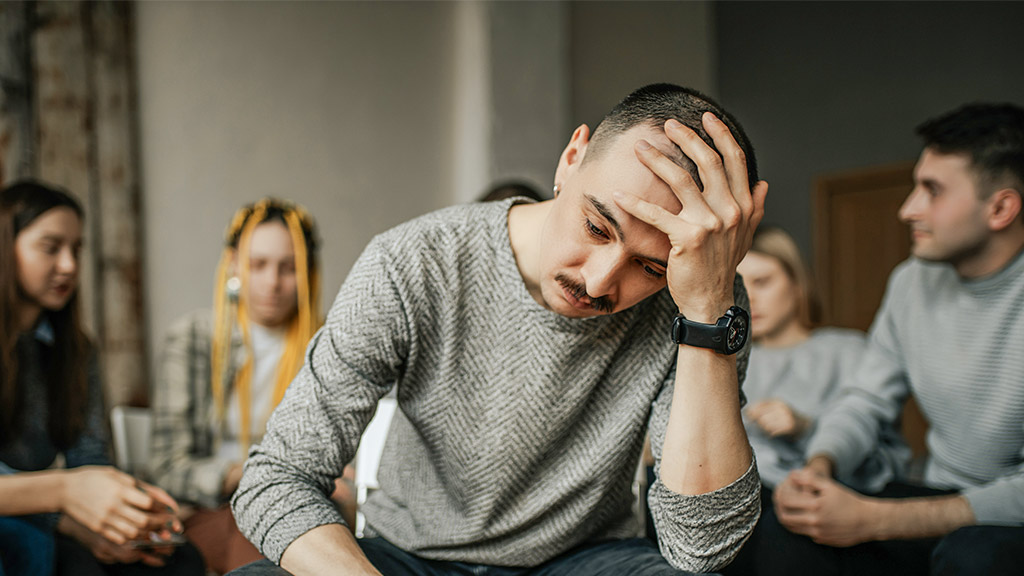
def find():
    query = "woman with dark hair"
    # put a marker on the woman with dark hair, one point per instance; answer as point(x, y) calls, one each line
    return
point(63, 509)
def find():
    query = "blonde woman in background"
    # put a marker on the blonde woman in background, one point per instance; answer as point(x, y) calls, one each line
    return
point(222, 373)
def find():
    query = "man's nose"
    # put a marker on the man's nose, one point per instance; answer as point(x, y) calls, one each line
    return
point(601, 273)
point(912, 206)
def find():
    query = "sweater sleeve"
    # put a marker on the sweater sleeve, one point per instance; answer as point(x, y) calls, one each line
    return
point(870, 401)
point(703, 532)
point(1000, 502)
point(350, 364)
point(175, 463)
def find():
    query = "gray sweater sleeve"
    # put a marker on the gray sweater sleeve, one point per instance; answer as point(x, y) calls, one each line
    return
point(704, 532)
point(350, 363)
point(872, 399)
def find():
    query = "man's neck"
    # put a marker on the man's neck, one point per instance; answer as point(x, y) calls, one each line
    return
point(525, 223)
point(999, 252)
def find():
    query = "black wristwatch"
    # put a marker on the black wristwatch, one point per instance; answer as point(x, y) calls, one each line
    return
point(726, 336)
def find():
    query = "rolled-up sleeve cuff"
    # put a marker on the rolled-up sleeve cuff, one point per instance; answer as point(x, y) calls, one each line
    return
point(704, 532)
point(999, 503)
point(835, 449)
point(284, 522)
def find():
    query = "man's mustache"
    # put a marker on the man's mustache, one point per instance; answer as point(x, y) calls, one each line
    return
point(579, 291)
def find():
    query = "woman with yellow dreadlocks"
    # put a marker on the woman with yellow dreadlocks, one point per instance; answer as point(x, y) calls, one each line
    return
point(222, 373)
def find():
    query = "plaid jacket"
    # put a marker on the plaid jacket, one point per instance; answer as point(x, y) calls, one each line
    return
point(186, 433)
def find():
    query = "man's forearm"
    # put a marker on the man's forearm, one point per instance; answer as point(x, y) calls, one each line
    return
point(931, 517)
point(705, 446)
point(327, 549)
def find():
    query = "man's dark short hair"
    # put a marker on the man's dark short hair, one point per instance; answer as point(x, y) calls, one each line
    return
point(992, 135)
point(652, 106)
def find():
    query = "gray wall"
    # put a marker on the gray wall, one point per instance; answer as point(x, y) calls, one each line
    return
point(370, 113)
point(620, 46)
point(833, 86)
point(344, 107)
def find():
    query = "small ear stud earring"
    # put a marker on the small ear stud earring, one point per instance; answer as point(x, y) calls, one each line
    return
point(556, 190)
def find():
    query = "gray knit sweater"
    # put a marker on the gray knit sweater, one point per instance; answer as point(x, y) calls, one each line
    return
point(518, 431)
point(957, 346)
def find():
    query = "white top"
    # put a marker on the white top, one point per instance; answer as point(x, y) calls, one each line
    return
point(267, 348)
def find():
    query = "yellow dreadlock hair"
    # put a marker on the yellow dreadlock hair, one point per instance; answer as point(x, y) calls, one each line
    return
point(230, 306)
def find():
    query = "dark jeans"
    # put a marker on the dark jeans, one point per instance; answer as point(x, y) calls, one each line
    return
point(25, 548)
point(633, 557)
point(73, 559)
point(982, 550)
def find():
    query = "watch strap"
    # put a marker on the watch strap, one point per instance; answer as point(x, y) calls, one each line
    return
point(685, 331)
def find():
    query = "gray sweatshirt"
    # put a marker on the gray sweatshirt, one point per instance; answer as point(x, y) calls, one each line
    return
point(958, 346)
point(518, 431)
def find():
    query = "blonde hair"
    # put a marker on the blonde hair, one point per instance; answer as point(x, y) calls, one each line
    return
point(776, 243)
point(230, 306)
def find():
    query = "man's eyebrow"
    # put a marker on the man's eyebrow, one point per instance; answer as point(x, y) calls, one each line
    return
point(605, 213)
point(929, 183)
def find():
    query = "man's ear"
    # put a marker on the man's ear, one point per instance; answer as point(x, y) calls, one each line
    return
point(1004, 207)
point(573, 154)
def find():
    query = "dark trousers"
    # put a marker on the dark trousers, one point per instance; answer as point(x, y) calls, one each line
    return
point(633, 557)
point(73, 559)
point(25, 548)
point(774, 550)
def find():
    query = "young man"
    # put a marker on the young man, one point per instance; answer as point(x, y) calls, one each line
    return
point(530, 345)
point(950, 331)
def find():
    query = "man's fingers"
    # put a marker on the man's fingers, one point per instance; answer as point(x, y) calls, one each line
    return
point(645, 211)
point(709, 163)
point(732, 156)
point(759, 196)
point(678, 180)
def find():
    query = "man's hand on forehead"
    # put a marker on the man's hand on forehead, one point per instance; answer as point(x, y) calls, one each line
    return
point(712, 231)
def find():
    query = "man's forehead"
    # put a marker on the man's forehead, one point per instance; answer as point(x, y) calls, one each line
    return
point(932, 160)
point(621, 171)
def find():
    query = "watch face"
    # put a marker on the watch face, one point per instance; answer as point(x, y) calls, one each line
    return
point(737, 335)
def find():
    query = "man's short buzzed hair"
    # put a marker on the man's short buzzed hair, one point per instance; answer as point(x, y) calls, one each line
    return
point(652, 106)
point(991, 134)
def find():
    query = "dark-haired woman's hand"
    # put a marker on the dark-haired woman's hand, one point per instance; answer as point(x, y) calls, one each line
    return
point(116, 505)
point(106, 552)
